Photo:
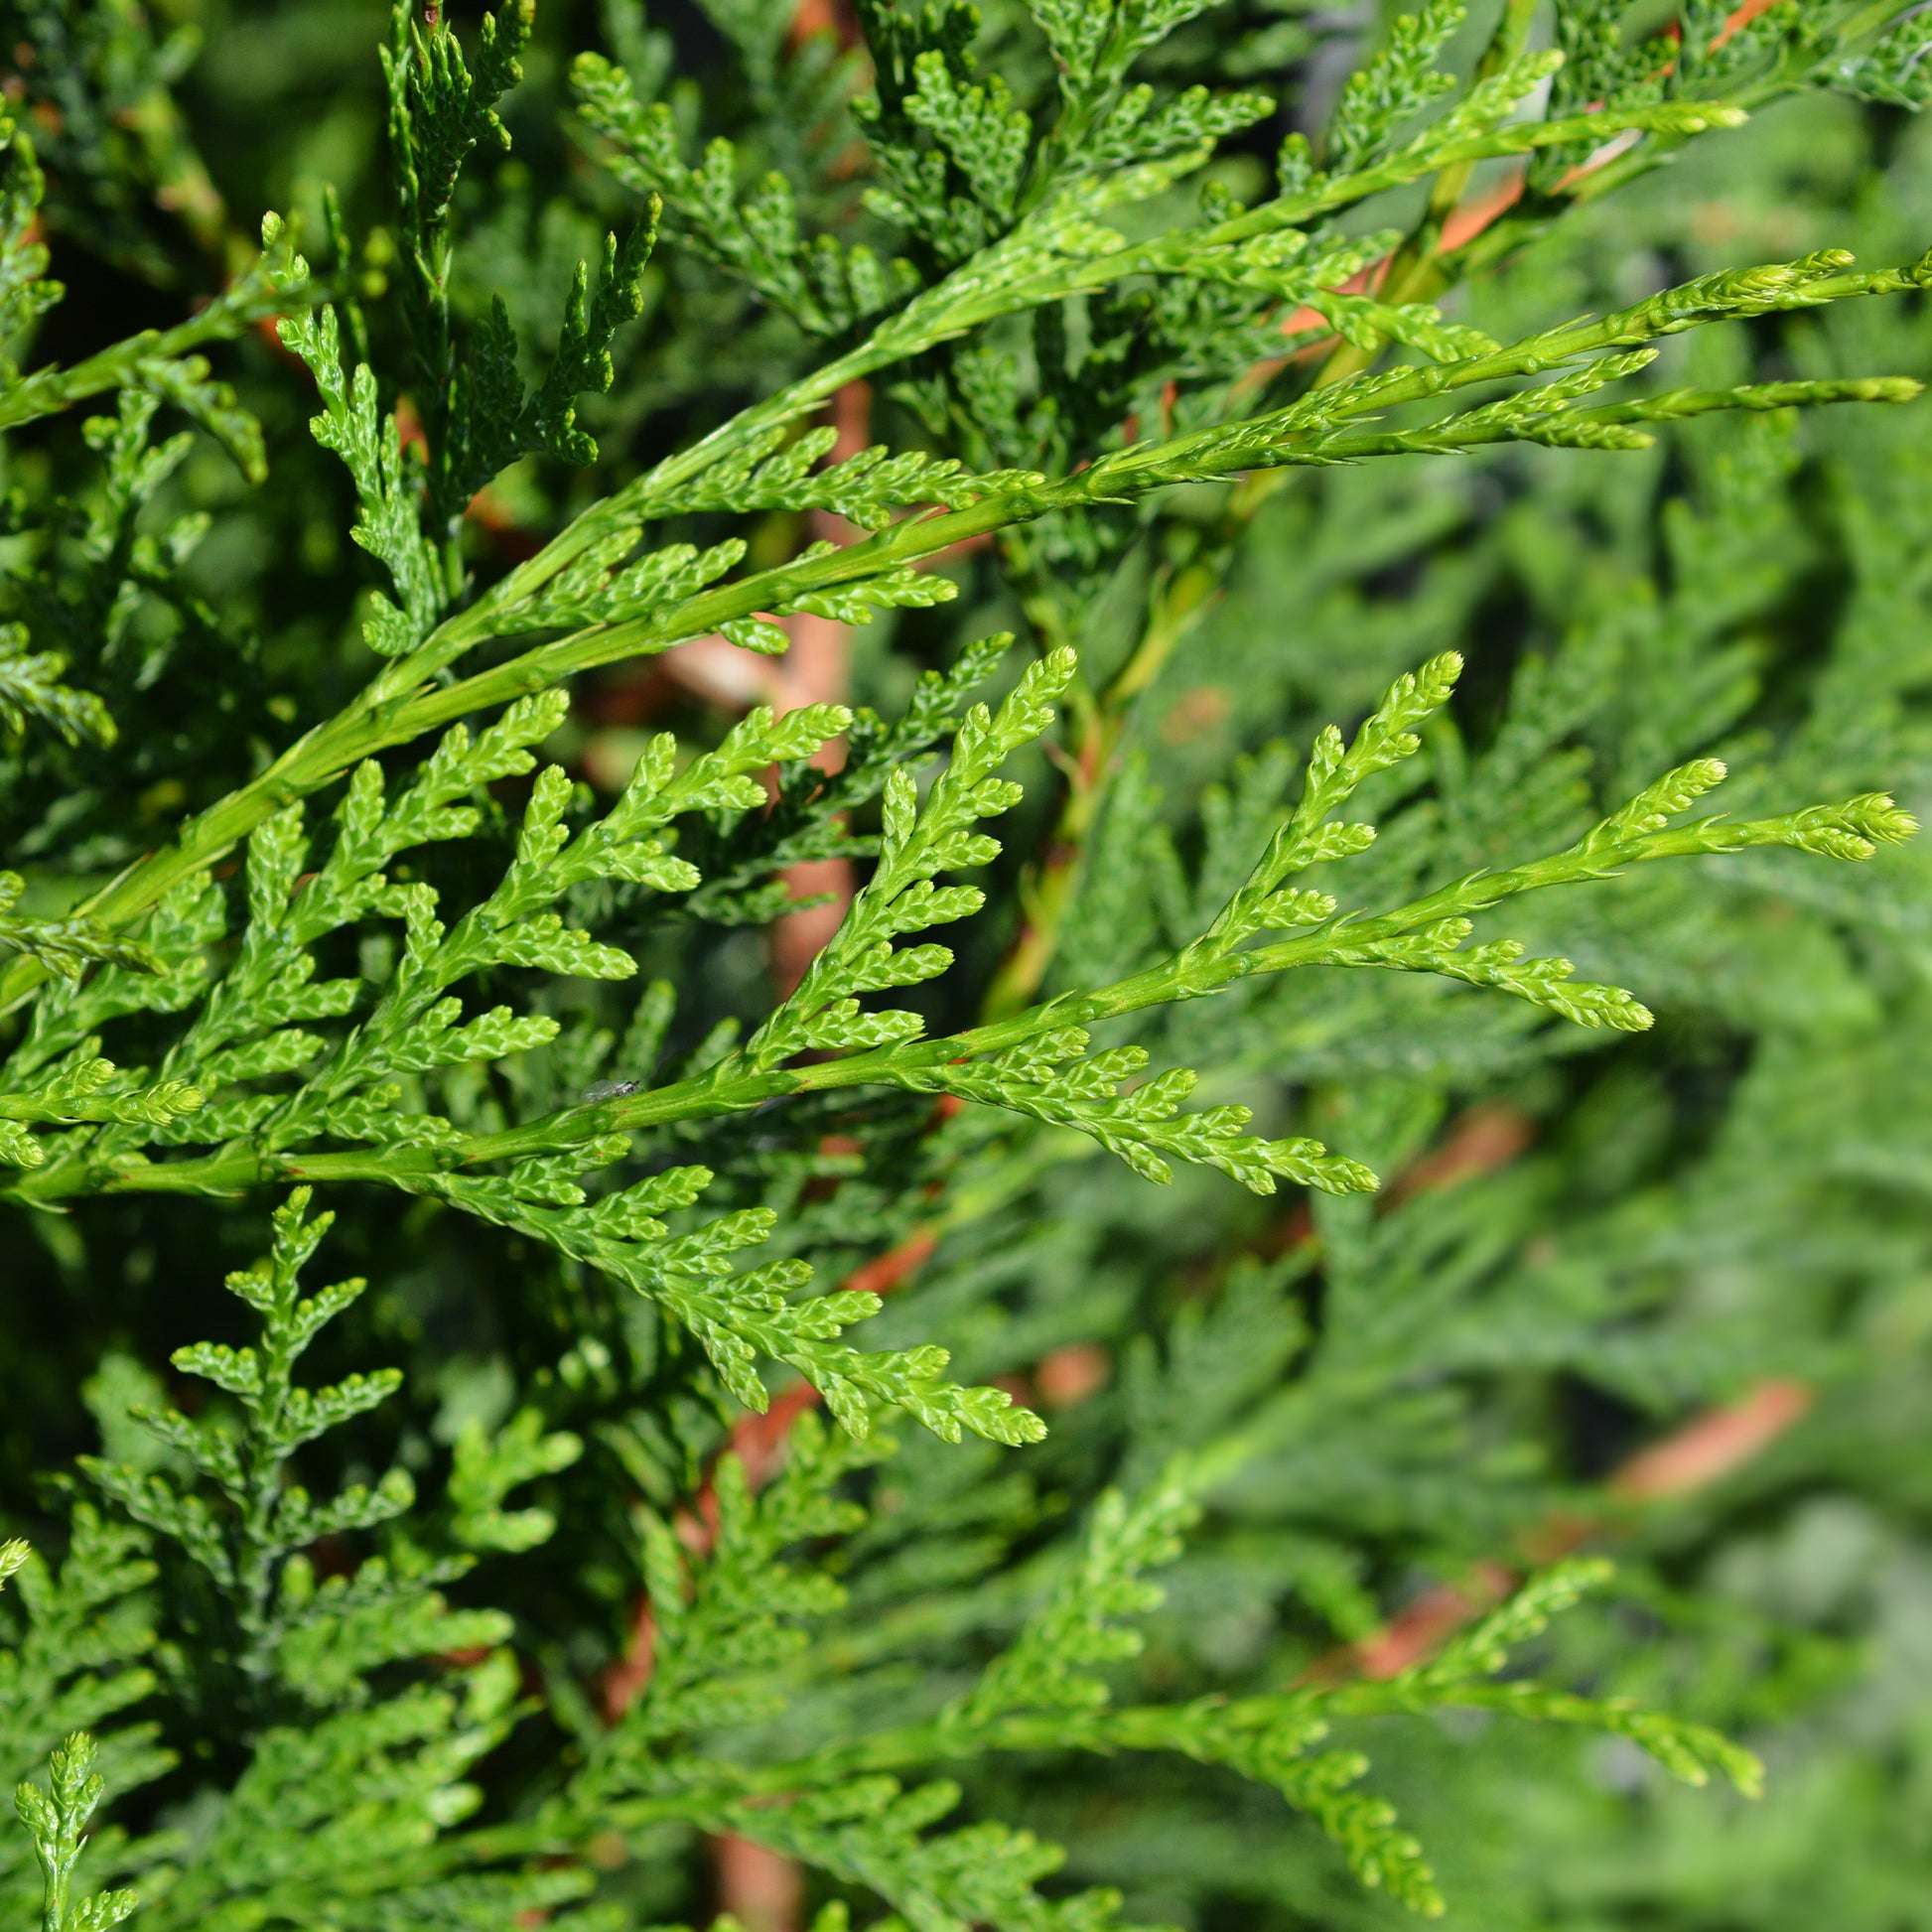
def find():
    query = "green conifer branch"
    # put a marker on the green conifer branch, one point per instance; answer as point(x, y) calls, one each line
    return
point(57, 1819)
point(400, 704)
point(1035, 1062)
point(741, 1653)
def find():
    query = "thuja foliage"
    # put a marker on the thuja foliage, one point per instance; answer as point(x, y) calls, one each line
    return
point(487, 1024)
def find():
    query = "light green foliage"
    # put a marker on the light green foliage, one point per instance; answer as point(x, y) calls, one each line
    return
point(484, 1468)
point(916, 844)
point(1042, 1670)
point(1386, 91)
point(573, 1531)
point(771, 472)
point(389, 527)
point(74, 1660)
point(65, 945)
point(29, 687)
point(56, 1819)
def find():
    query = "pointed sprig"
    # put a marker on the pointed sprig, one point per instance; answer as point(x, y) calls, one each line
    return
point(741, 1318)
point(1464, 1675)
point(923, 72)
point(477, 414)
point(1139, 127)
point(582, 364)
point(56, 1820)
point(240, 1521)
point(1100, 43)
point(1115, 131)
point(1337, 768)
point(1715, 53)
point(253, 1027)
point(1050, 1665)
point(1545, 414)
point(917, 844)
point(957, 162)
point(1548, 982)
point(388, 520)
point(440, 113)
point(445, 112)
point(855, 603)
point(1323, 426)
point(227, 1503)
point(1269, 1740)
point(413, 1026)
point(171, 973)
point(1050, 1073)
point(492, 421)
point(122, 610)
point(1055, 1078)
point(256, 1025)
point(1430, 934)
point(81, 1088)
point(81, 1091)
point(1391, 86)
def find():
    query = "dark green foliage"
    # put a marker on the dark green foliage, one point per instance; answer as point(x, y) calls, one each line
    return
point(781, 806)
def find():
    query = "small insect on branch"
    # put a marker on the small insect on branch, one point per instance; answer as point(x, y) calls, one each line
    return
point(607, 1091)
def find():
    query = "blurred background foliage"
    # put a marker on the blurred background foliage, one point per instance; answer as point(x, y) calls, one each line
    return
point(1669, 1295)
